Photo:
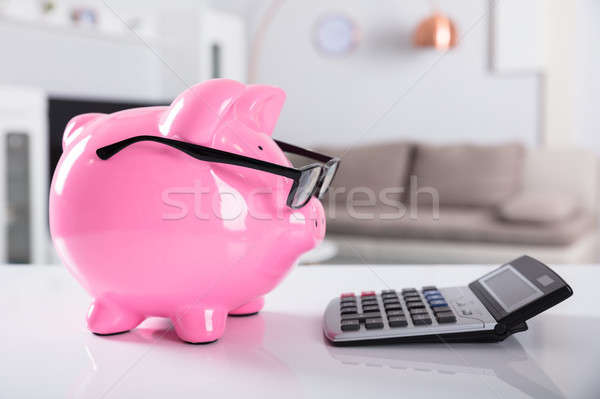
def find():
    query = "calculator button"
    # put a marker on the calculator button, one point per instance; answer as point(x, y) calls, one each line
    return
point(421, 319)
point(434, 297)
point(393, 313)
point(428, 293)
point(370, 308)
point(433, 304)
point(347, 295)
point(350, 325)
point(393, 306)
point(407, 290)
point(374, 323)
point(385, 292)
point(347, 305)
point(397, 321)
point(440, 309)
point(429, 288)
point(370, 302)
point(390, 298)
point(388, 303)
point(414, 305)
point(367, 293)
point(361, 316)
point(418, 311)
point(348, 310)
point(412, 298)
point(445, 317)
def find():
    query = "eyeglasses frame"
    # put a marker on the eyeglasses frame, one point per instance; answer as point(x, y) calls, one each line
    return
point(214, 155)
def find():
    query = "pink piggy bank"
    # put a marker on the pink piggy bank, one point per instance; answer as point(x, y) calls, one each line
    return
point(152, 231)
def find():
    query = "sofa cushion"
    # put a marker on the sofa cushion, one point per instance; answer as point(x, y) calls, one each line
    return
point(375, 167)
point(531, 207)
point(451, 224)
point(467, 175)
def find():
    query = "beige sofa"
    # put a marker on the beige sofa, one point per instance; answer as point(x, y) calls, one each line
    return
point(415, 203)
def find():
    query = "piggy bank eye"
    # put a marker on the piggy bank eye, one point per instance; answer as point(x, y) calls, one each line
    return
point(260, 147)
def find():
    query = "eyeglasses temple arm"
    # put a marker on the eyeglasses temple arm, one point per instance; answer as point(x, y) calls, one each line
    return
point(302, 151)
point(202, 153)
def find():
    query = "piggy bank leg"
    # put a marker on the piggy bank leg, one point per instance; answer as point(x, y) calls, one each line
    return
point(105, 318)
point(250, 308)
point(199, 324)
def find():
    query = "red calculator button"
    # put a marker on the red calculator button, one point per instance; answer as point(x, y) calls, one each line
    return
point(347, 295)
point(367, 293)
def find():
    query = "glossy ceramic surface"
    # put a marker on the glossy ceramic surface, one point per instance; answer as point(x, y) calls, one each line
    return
point(155, 232)
point(281, 352)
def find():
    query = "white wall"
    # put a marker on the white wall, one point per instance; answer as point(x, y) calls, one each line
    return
point(452, 98)
point(69, 61)
point(586, 75)
point(64, 64)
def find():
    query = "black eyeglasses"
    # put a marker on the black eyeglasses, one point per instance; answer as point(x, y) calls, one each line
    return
point(309, 180)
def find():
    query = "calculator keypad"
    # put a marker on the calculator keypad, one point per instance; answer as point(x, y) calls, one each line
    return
point(420, 307)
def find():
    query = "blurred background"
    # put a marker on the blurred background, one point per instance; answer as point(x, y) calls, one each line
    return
point(490, 105)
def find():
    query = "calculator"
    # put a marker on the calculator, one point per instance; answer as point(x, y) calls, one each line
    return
point(489, 309)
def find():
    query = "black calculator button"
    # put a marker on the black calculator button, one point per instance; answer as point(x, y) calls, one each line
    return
point(384, 292)
point(445, 317)
point(347, 305)
point(390, 298)
point(441, 309)
point(370, 308)
point(361, 316)
point(421, 319)
point(418, 311)
point(348, 310)
point(370, 302)
point(397, 321)
point(434, 304)
point(393, 306)
point(412, 298)
point(350, 325)
point(407, 290)
point(374, 323)
point(429, 288)
point(393, 313)
point(414, 305)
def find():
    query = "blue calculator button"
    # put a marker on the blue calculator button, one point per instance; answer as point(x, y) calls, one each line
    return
point(437, 303)
point(431, 292)
point(434, 297)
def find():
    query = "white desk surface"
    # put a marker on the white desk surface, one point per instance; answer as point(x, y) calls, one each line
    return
point(46, 351)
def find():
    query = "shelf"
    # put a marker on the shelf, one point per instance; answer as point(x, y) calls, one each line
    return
point(127, 37)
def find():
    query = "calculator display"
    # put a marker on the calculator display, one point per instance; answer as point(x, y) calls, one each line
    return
point(510, 288)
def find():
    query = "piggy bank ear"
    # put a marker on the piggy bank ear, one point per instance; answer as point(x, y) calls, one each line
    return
point(195, 113)
point(75, 127)
point(259, 107)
